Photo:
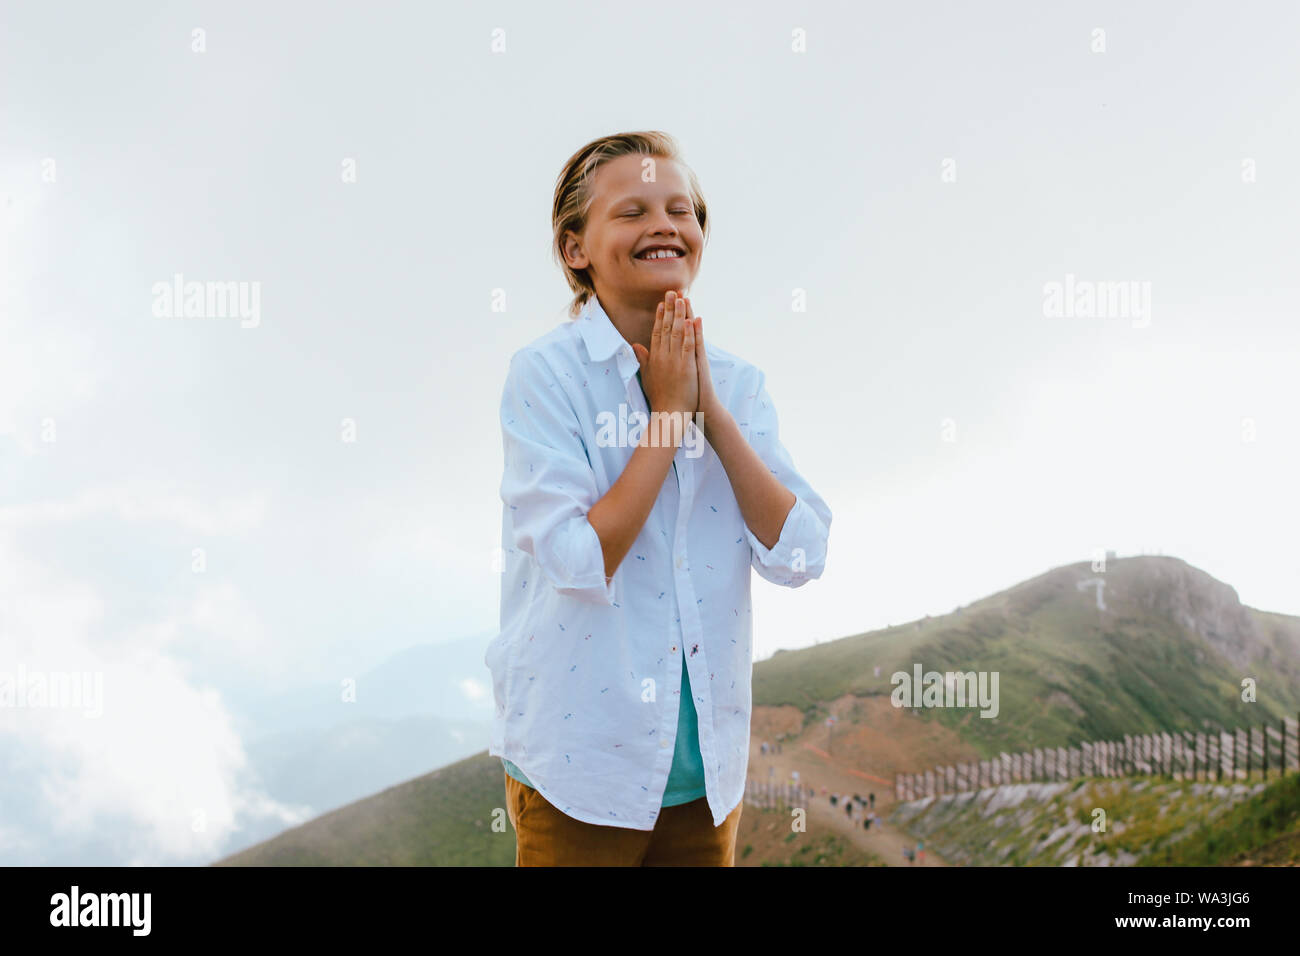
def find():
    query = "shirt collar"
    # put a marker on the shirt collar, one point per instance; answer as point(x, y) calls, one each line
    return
point(603, 339)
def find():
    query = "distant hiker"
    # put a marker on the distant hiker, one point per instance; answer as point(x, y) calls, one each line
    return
point(866, 822)
point(848, 808)
point(908, 855)
point(763, 748)
point(872, 798)
point(920, 850)
point(834, 800)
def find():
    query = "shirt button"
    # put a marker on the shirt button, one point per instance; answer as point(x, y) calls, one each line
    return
point(673, 649)
point(663, 743)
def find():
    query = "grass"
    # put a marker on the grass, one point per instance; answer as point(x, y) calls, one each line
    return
point(1144, 818)
point(1262, 830)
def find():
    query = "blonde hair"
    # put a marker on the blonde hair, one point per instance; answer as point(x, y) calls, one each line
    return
point(574, 195)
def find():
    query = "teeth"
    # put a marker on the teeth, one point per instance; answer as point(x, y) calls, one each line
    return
point(662, 254)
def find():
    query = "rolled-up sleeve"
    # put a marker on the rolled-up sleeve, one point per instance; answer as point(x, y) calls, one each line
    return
point(799, 555)
point(548, 485)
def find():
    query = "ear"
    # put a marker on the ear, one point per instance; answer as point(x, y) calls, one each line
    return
point(573, 253)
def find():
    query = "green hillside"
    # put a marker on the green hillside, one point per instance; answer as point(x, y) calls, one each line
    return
point(1147, 821)
point(444, 818)
point(1168, 653)
point(1262, 831)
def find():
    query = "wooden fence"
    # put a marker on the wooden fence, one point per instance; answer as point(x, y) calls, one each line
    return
point(776, 794)
point(1180, 755)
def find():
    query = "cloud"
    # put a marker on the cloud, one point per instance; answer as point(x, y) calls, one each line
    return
point(163, 766)
point(473, 689)
point(146, 501)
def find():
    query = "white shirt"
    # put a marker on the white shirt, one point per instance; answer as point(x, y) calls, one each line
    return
point(585, 672)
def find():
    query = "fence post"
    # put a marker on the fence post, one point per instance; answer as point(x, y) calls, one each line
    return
point(1264, 731)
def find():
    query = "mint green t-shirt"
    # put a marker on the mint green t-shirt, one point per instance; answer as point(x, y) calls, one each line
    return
point(686, 776)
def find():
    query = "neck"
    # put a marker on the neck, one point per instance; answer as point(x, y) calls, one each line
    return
point(634, 317)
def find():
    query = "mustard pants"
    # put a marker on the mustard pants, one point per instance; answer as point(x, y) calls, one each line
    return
point(684, 835)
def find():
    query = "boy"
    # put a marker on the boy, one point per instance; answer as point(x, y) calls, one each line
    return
point(644, 479)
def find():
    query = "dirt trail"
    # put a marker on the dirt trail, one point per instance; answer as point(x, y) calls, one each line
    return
point(818, 769)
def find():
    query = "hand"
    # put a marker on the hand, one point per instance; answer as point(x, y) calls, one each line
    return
point(709, 406)
point(668, 369)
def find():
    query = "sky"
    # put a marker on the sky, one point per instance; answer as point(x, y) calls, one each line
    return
point(195, 506)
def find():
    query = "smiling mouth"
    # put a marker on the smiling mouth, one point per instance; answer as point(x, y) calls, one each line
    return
point(660, 258)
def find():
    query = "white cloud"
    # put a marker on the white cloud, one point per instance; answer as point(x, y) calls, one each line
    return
point(164, 759)
point(146, 501)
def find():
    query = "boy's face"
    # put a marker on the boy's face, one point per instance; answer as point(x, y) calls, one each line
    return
point(629, 216)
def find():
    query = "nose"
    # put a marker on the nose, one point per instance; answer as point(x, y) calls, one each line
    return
point(663, 225)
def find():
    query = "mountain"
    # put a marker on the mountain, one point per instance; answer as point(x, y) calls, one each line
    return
point(426, 706)
point(1165, 647)
point(1149, 644)
point(447, 679)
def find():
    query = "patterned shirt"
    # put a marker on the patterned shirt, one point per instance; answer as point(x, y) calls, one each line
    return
point(686, 776)
point(583, 667)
